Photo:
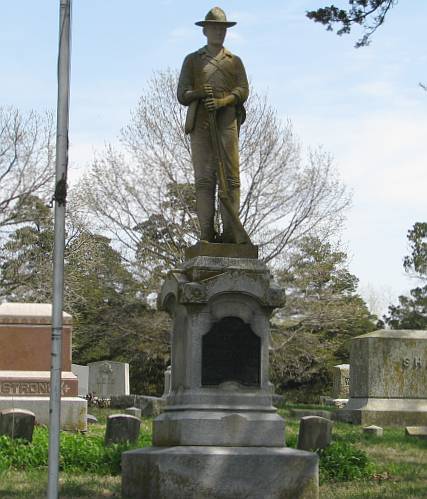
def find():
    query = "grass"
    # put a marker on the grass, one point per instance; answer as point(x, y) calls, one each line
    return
point(399, 464)
point(88, 468)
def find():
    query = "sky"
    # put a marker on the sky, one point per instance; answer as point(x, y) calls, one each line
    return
point(364, 106)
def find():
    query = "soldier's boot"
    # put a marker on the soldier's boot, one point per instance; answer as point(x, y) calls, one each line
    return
point(227, 234)
point(205, 207)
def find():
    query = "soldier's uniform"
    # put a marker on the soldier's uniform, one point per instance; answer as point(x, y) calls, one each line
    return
point(226, 74)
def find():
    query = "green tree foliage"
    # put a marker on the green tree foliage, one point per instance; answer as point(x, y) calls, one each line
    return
point(322, 311)
point(26, 254)
point(416, 262)
point(411, 312)
point(369, 14)
point(111, 316)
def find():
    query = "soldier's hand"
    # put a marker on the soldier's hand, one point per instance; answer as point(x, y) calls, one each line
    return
point(208, 90)
point(211, 104)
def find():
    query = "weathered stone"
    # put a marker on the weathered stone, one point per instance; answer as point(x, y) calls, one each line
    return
point(219, 435)
point(221, 428)
point(203, 248)
point(73, 410)
point(278, 400)
point(416, 431)
point(108, 378)
point(133, 411)
point(25, 337)
point(17, 423)
point(82, 373)
point(213, 386)
point(25, 362)
point(377, 431)
point(341, 381)
point(150, 406)
point(167, 388)
point(340, 403)
point(35, 384)
point(122, 428)
point(314, 433)
point(91, 419)
point(388, 379)
point(301, 413)
point(219, 472)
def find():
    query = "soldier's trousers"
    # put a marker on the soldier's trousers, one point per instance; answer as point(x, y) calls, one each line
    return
point(205, 169)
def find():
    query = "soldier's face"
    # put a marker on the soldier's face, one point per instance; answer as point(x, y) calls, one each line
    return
point(215, 33)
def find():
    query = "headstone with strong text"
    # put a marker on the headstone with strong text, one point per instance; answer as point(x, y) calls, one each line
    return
point(25, 360)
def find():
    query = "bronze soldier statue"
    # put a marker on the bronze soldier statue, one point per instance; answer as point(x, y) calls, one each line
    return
point(214, 86)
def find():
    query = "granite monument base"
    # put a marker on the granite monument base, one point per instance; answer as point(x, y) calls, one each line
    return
point(219, 428)
point(198, 472)
point(384, 412)
point(73, 410)
point(388, 379)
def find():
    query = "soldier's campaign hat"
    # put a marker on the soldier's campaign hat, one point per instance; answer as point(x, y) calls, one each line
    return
point(215, 16)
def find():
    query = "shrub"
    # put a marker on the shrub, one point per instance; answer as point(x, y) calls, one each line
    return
point(342, 461)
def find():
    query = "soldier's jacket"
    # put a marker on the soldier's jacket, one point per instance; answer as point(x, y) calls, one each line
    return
point(225, 72)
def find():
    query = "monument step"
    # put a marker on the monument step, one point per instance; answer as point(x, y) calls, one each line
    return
point(199, 472)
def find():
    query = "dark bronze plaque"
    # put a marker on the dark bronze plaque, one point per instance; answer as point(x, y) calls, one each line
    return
point(231, 351)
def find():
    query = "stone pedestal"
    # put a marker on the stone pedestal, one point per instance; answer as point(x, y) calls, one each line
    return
point(219, 473)
point(25, 349)
point(388, 379)
point(219, 417)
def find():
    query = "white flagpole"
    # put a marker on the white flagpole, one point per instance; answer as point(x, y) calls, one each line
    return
point(58, 261)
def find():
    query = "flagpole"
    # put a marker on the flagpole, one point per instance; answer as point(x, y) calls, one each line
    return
point(58, 259)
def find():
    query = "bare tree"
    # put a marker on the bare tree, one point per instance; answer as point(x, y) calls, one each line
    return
point(26, 159)
point(142, 194)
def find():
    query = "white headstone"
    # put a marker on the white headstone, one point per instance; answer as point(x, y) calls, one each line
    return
point(107, 378)
point(167, 381)
point(82, 373)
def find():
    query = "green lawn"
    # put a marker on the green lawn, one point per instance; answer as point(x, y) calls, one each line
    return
point(400, 465)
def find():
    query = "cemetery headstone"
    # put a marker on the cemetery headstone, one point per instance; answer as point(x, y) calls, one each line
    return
point(314, 433)
point(17, 423)
point(388, 379)
point(150, 406)
point(301, 413)
point(122, 428)
point(341, 381)
point(416, 431)
point(91, 419)
point(25, 351)
point(82, 373)
point(108, 378)
point(377, 431)
point(133, 411)
point(167, 382)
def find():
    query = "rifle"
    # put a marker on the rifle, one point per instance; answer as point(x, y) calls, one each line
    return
point(239, 232)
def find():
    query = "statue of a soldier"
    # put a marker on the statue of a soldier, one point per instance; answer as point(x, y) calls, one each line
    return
point(214, 85)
